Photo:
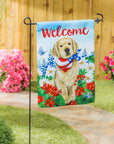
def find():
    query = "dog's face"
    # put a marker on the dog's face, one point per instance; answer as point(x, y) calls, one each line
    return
point(65, 48)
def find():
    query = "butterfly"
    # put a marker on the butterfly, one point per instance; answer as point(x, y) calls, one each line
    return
point(41, 51)
point(88, 95)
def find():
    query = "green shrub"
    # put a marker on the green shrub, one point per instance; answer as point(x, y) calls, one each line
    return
point(6, 135)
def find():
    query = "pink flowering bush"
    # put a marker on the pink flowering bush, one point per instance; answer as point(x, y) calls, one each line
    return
point(108, 66)
point(14, 73)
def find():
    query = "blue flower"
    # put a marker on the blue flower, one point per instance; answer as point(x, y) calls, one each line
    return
point(43, 68)
point(92, 53)
point(84, 53)
point(88, 62)
point(51, 60)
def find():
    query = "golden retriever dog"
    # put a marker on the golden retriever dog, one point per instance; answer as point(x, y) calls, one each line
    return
point(65, 77)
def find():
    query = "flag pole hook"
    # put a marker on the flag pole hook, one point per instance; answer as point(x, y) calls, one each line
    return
point(97, 19)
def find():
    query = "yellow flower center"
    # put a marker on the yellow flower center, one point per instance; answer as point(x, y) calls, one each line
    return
point(44, 83)
point(90, 67)
point(81, 62)
point(87, 78)
point(50, 71)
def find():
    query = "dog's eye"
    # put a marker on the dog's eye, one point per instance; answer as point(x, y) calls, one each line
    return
point(60, 45)
point(69, 43)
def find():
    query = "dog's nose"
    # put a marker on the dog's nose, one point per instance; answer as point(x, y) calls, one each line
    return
point(67, 50)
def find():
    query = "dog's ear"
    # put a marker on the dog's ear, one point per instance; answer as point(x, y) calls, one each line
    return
point(55, 51)
point(75, 46)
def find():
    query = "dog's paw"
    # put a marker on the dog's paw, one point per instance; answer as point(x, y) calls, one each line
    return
point(72, 98)
point(67, 101)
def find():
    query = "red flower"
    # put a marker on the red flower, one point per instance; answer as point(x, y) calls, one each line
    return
point(51, 89)
point(79, 91)
point(83, 76)
point(40, 99)
point(60, 91)
point(50, 102)
point(90, 85)
point(73, 103)
point(79, 76)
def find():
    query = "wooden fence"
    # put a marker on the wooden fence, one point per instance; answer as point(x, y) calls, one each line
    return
point(14, 34)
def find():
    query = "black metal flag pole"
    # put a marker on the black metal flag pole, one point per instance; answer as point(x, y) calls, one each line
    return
point(29, 77)
point(97, 21)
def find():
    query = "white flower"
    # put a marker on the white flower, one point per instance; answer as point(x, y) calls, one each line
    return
point(90, 67)
point(39, 72)
point(89, 77)
point(82, 63)
point(43, 81)
point(50, 71)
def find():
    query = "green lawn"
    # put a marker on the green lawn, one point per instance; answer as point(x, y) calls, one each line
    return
point(46, 129)
point(104, 94)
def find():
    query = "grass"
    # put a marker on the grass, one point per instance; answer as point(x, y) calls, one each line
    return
point(104, 94)
point(46, 129)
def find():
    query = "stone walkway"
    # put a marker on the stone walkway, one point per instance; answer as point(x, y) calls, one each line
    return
point(96, 125)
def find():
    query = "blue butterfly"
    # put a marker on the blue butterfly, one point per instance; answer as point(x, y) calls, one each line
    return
point(88, 95)
point(41, 51)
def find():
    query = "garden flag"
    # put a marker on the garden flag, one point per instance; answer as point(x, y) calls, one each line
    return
point(65, 63)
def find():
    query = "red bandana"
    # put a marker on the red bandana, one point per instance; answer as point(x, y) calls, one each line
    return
point(64, 64)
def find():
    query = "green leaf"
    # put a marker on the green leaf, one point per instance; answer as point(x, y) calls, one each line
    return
point(82, 72)
point(86, 91)
point(91, 59)
point(40, 91)
point(3, 77)
point(90, 100)
point(49, 78)
point(83, 100)
point(38, 79)
point(59, 101)
point(42, 104)
point(94, 76)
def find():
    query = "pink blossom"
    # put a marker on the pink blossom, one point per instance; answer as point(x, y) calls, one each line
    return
point(112, 51)
point(111, 62)
point(107, 77)
point(106, 59)
point(104, 68)
point(109, 73)
point(15, 70)
point(102, 64)
point(108, 65)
